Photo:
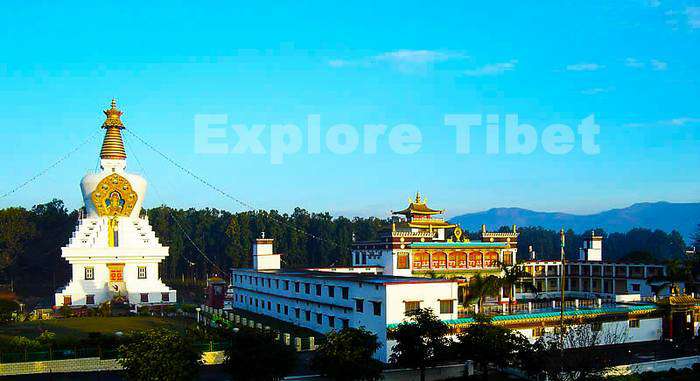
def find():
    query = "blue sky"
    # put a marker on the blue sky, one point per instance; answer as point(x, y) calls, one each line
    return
point(632, 64)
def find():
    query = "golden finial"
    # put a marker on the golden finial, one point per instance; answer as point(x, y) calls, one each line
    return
point(418, 197)
point(113, 116)
point(113, 146)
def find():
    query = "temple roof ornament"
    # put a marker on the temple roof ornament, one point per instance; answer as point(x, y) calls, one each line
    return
point(419, 207)
point(113, 146)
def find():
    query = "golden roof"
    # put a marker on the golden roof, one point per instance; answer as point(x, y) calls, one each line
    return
point(418, 206)
point(431, 223)
point(113, 146)
point(679, 300)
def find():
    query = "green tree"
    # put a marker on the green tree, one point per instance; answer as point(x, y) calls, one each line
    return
point(482, 286)
point(582, 357)
point(347, 355)
point(487, 344)
point(16, 232)
point(159, 354)
point(511, 277)
point(258, 355)
point(421, 341)
point(7, 308)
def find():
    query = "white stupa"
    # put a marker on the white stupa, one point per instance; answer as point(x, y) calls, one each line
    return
point(114, 252)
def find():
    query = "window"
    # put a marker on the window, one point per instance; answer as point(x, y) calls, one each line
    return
point(402, 262)
point(308, 315)
point(537, 331)
point(634, 323)
point(165, 296)
point(286, 310)
point(446, 306)
point(297, 312)
point(359, 305)
point(345, 292)
point(144, 297)
point(307, 288)
point(89, 299)
point(636, 287)
point(269, 306)
point(142, 272)
point(277, 283)
point(411, 306)
point(319, 319)
point(331, 291)
point(89, 273)
point(377, 308)
point(296, 286)
point(318, 289)
point(286, 285)
point(346, 323)
point(67, 300)
point(279, 308)
point(331, 321)
point(596, 326)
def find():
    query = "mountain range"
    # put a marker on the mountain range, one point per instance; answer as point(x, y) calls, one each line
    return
point(666, 216)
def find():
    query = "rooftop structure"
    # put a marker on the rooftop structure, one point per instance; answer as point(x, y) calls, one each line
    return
point(422, 244)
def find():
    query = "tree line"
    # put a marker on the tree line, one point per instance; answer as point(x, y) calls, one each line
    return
point(31, 241)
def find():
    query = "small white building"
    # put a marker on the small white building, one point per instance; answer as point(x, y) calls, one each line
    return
point(113, 251)
point(592, 277)
point(326, 299)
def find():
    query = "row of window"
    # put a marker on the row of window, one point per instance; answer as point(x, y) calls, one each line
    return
point(446, 306)
point(90, 298)
point(90, 272)
point(298, 286)
point(595, 327)
point(283, 309)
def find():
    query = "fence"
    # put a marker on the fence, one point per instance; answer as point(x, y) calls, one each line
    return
point(231, 320)
point(89, 352)
point(505, 309)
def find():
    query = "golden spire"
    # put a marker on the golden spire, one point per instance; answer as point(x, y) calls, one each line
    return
point(113, 146)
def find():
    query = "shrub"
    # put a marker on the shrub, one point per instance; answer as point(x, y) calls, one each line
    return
point(255, 355)
point(347, 355)
point(65, 311)
point(7, 308)
point(159, 354)
point(144, 311)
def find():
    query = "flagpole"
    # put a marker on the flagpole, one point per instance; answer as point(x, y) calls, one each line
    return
point(562, 286)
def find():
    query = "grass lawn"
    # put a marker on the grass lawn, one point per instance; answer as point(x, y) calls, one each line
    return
point(81, 327)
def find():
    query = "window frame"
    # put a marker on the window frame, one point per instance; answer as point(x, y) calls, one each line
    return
point(413, 303)
point(443, 303)
point(360, 305)
point(145, 272)
point(377, 308)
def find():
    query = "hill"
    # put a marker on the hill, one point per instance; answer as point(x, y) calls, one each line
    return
point(683, 217)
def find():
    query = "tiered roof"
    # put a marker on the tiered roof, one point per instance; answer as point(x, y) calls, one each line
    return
point(113, 146)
